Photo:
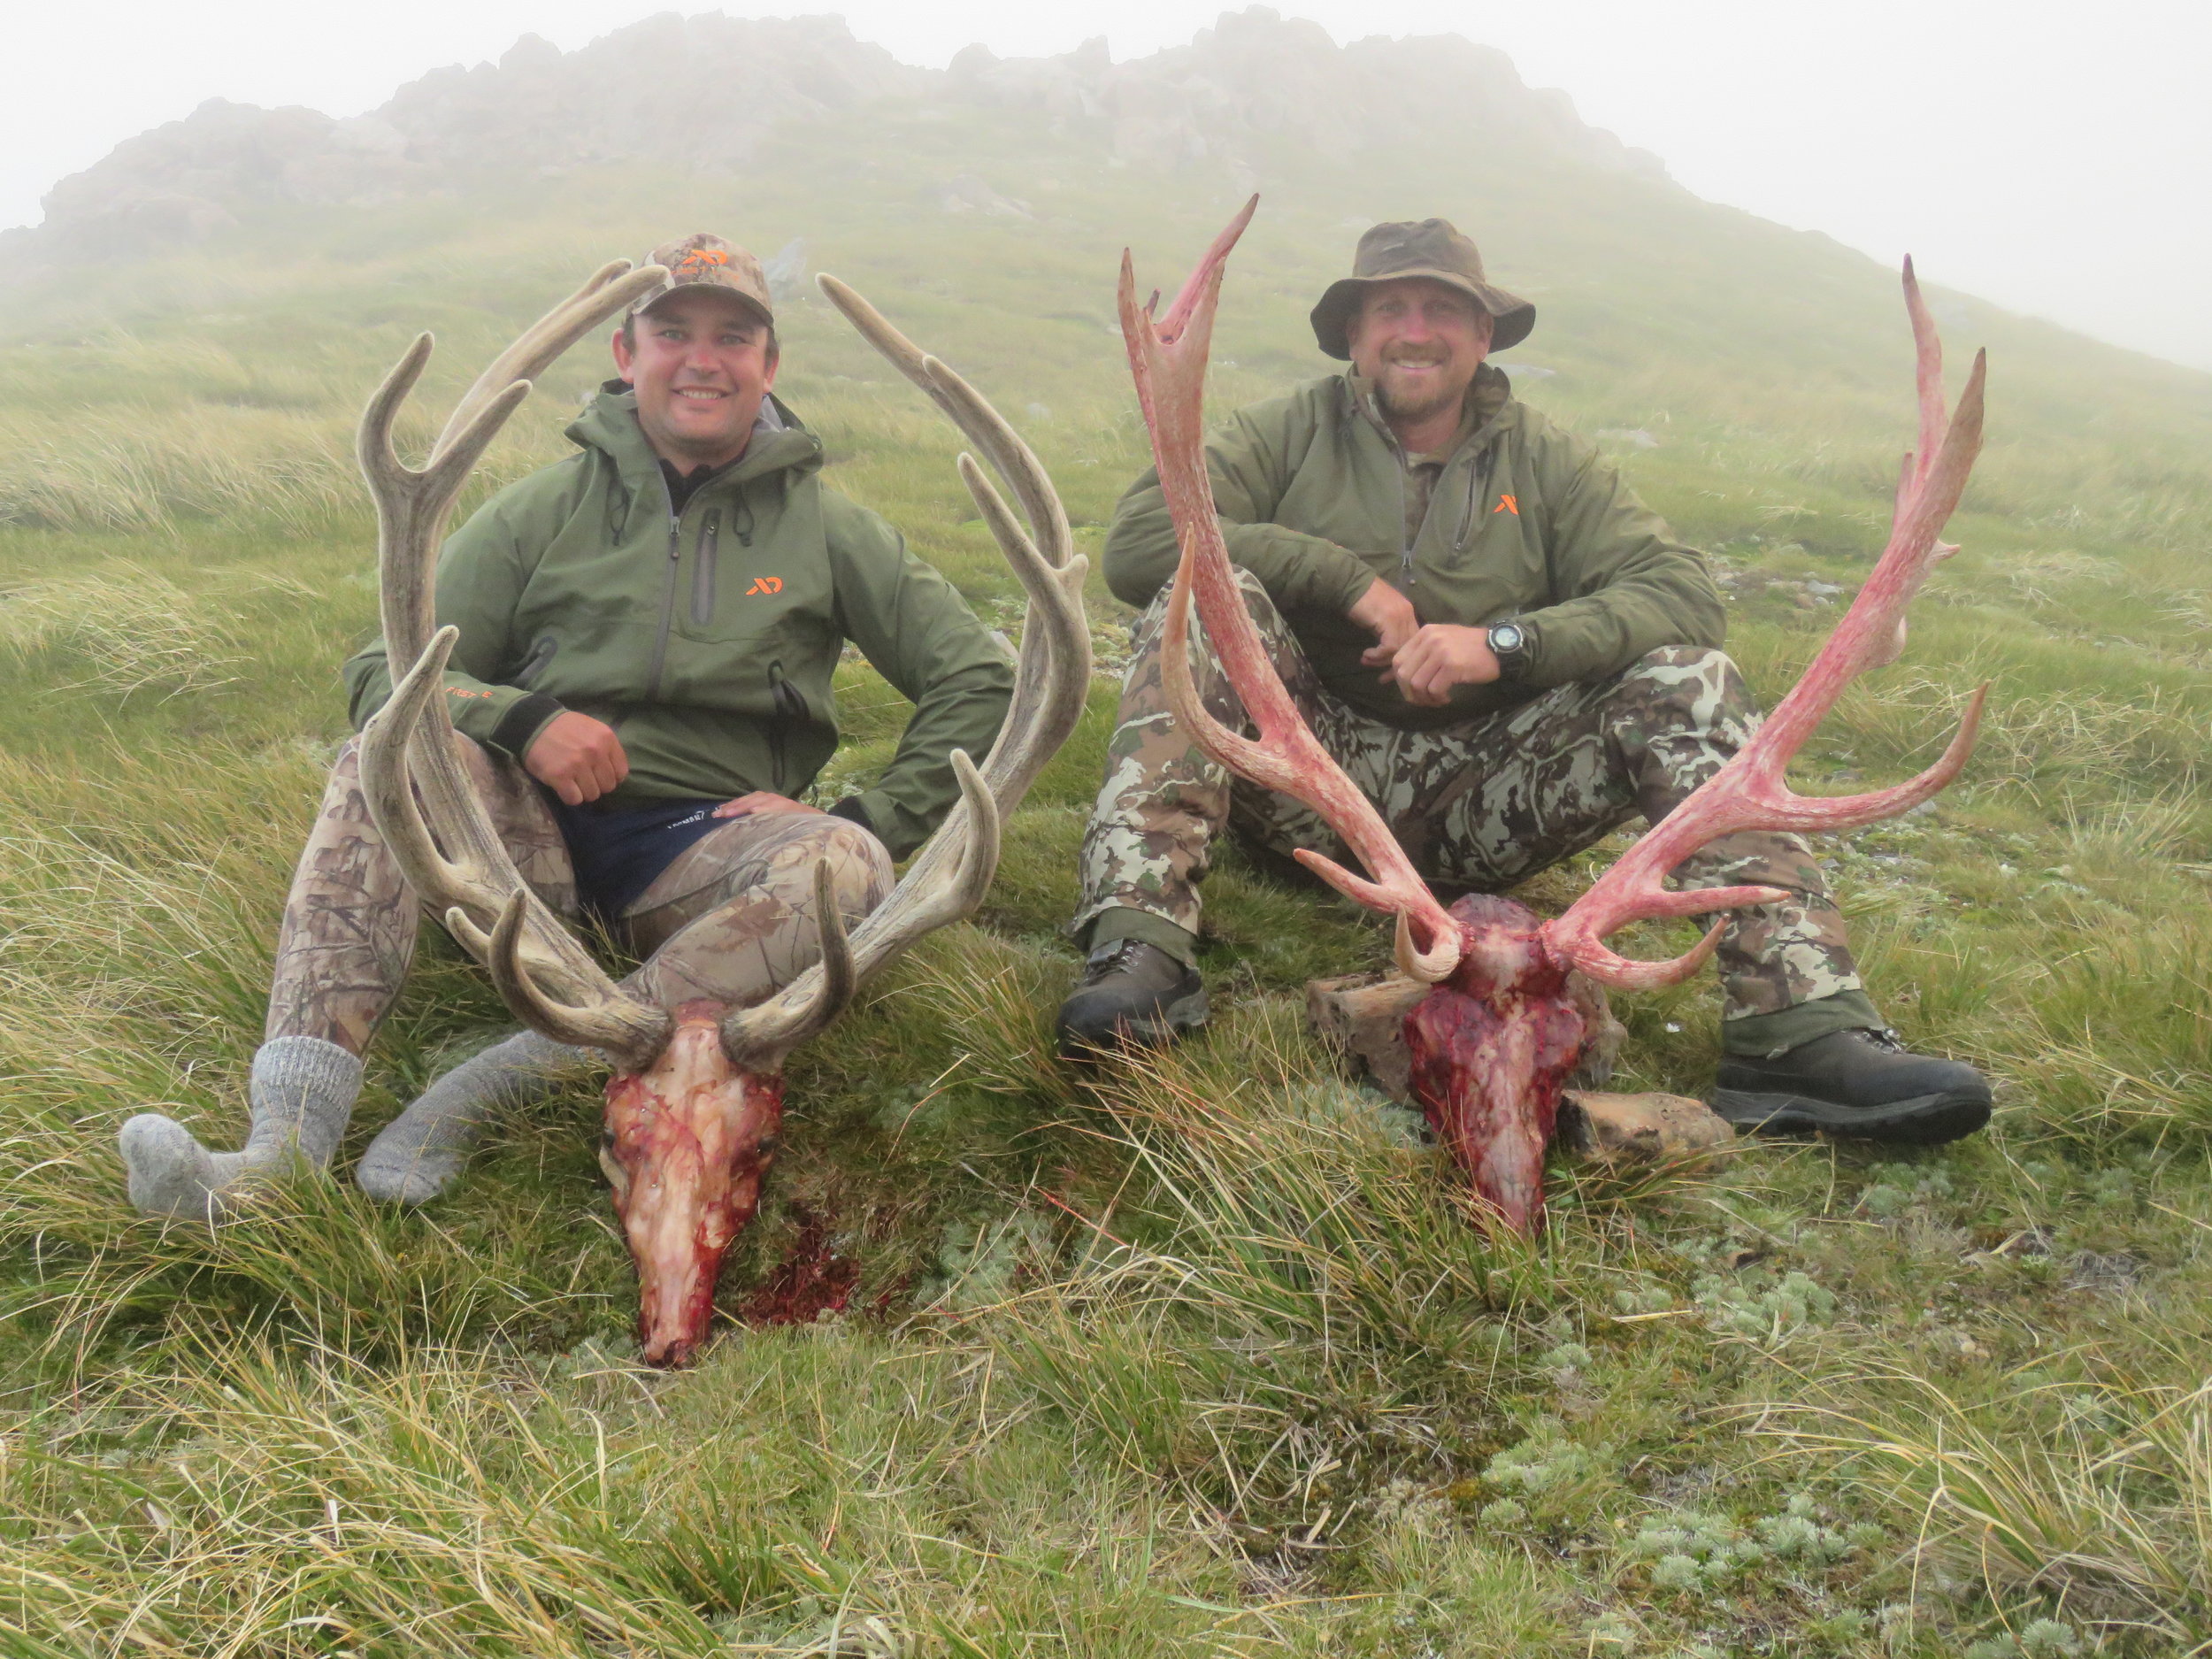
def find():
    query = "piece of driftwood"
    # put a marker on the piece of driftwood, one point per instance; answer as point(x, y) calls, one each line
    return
point(1363, 1015)
point(1639, 1128)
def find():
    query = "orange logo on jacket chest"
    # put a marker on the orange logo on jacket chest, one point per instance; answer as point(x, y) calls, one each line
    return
point(764, 585)
point(1506, 504)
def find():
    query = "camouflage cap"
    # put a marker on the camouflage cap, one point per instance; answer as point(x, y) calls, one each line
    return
point(1427, 248)
point(704, 260)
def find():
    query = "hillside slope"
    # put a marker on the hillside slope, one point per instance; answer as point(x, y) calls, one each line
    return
point(1007, 189)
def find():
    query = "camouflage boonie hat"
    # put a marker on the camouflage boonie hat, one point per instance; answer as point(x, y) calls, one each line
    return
point(1427, 248)
point(704, 260)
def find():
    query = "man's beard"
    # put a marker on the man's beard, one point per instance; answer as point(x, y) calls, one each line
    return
point(1405, 409)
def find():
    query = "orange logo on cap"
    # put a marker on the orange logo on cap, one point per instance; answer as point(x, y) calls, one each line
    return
point(698, 258)
point(764, 585)
point(1506, 504)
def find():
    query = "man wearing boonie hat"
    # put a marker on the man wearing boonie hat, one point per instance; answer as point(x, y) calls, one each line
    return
point(647, 631)
point(1509, 652)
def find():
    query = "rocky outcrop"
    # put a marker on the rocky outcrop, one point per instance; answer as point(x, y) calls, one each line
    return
point(1257, 77)
point(700, 91)
point(703, 92)
point(185, 180)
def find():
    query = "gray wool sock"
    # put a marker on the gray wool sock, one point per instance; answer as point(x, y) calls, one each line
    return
point(422, 1150)
point(302, 1094)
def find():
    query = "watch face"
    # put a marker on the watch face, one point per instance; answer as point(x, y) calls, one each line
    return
point(1505, 637)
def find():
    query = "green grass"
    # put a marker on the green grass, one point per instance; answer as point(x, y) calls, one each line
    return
point(1206, 1359)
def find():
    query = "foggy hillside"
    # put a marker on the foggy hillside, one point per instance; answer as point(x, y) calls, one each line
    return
point(706, 92)
point(246, 270)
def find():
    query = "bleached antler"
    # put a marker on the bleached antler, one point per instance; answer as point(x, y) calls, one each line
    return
point(453, 856)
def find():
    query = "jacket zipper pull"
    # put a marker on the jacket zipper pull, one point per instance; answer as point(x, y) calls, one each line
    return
point(1406, 578)
point(1478, 475)
point(781, 694)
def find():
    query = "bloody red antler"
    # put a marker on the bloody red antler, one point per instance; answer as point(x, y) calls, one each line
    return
point(1168, 359)
point(1750, 792)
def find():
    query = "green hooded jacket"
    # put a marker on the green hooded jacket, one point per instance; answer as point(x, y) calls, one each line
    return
point(705, 638)
point(1526, 521)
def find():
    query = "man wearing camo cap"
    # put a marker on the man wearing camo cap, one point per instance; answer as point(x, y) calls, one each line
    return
point(1506, 649)
point(647, 631)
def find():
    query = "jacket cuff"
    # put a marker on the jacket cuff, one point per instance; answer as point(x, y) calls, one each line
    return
point(1529, 661)
point(1542, 668)
point(525, 718)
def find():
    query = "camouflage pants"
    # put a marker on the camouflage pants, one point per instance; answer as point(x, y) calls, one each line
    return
point(731, 917)
point(1478, 806)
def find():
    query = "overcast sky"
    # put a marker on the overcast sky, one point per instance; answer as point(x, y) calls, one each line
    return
point(2056, 159)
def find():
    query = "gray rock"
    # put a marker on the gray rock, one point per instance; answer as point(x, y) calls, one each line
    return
point(786, 271)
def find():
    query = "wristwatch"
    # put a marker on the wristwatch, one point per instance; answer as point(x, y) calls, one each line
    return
point(1510, 644)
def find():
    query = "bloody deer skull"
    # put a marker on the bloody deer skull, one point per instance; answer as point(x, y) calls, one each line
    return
point(696, 1096)
point(1495, 1040)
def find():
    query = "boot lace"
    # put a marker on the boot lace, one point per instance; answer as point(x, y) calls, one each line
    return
point(1115, 958)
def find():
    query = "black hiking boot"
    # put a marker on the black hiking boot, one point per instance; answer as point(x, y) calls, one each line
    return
point(1864, 1084)
point(1132, 993)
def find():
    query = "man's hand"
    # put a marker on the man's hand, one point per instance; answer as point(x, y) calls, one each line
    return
point(1439, 656)
point(577, 758)
point(1388, 614)
point(763, 801)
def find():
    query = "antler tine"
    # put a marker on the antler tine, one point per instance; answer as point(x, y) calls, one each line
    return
point(411, 504)
point(410, 749)
point(1751, 791)
point(1927, 384)
point(925, 900)
point(1052, 680)
point(545, 340)
point(759, 1036)
point(975, 418)
point(949, 876)
point(1168, 359)
point(631, 1031)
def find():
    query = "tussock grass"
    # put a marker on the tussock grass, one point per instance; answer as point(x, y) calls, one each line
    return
point(125, 631)
point(2101, 1494)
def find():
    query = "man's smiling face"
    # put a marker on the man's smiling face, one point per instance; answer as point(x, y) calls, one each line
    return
point(701, 359)
point(1420, 341)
